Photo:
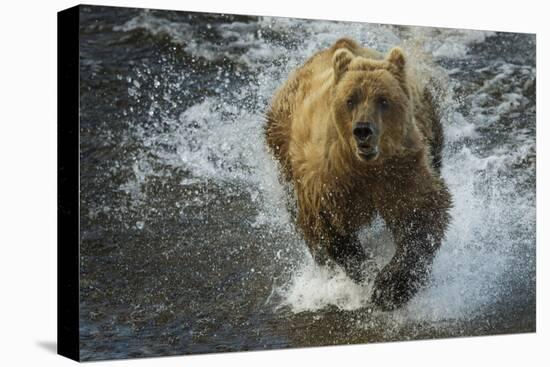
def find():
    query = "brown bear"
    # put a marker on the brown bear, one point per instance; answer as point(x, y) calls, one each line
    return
point(357, 134)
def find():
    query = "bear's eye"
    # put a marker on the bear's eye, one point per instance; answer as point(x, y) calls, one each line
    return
point(383, 103)
point(352, 101)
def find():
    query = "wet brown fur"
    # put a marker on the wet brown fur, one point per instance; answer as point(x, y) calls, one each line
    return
point(309, 132)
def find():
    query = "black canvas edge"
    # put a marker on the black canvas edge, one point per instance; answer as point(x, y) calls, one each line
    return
point(68, 193)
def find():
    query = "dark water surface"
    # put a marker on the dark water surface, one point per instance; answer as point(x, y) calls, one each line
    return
point(186, 246)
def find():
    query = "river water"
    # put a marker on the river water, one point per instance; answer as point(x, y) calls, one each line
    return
point(186, 245)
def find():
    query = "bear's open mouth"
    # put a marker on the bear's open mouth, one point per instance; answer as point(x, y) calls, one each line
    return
point(367, 154)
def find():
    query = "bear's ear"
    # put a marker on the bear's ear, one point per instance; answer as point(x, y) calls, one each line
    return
point(397, 58)
point(340, 62)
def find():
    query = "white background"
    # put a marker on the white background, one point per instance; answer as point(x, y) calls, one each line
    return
point(28, 182)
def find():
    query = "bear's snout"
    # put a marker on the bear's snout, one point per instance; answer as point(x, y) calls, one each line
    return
point(366, 136)
point(364, 132)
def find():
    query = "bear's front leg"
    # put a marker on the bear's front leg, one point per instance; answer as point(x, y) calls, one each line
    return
point(400, 279)
point(346, 251)
point(418, 221)
point(330, 248)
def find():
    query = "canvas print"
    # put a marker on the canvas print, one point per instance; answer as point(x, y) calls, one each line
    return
point(251, 183)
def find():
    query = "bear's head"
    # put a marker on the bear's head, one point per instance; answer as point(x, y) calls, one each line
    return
point(371, 105)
